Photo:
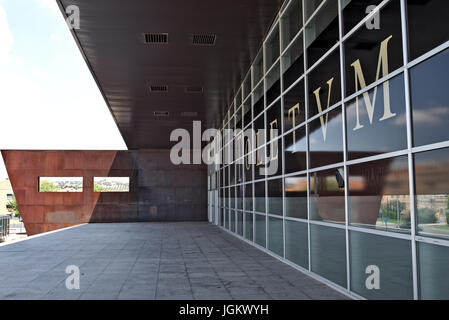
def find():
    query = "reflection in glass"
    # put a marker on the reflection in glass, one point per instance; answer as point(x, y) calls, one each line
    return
point(296, 197)
point(393, 259)
point(430, 100)
point(239, 217)
point(379, 194)
point(354, 11)
point(377, 123)
point(232, 201)
point(258, 100)
point(293, 62)
point(433, 280)
point(249, 226)
point(239, 202)
point(328, 253)
point(374, 53)
point(427, 22)
point(291, 22)
point(249, 197)
point(326, 139)
point(432, 192)
point(261, 230)
point(257, 69)
point(272, 49)
point(327, 196)
point(324, 84)
point(294, 107)
point(321, 31)
point(295, 150)
point(247, 113)
point(276, 236)
point(275, 196)
point(232, 222)
point(296, 243)
point(259, 196)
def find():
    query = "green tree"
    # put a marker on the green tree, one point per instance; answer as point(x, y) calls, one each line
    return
point(98, 188)
point(48, 186)
point(13, 207)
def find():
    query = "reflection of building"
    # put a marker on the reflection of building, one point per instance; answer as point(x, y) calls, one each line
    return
point(6, 194)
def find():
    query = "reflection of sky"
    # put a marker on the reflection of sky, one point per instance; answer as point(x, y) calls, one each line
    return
point(113, 179)
point(64, 179)
point(334, 134)
point(380, 136)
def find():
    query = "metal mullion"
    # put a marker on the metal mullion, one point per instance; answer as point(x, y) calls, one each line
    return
point(410, 145)
point(281, 75)
point(428, 55)
point(306, 111)
point(345, 147)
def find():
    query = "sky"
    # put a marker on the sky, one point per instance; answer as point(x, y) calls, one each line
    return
point(48, 98)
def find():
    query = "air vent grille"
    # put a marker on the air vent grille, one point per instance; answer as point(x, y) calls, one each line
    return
point(204, 39)
point(189, 114)
point(194, 89)
point(157, 38)
point(161, 113)
point(162, 88)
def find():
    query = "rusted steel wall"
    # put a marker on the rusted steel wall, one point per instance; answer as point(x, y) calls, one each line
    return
point(159, 190)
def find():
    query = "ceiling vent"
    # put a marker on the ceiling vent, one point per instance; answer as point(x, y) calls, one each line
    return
point(194, 89)
point(156, 38)
point(204, 39)
point(189, 114)
point(159, 88)
point(161, 113)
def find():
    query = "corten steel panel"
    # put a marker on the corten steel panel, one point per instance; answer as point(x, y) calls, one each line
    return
point(159, 190)
point(44, 212)
point(111, 39)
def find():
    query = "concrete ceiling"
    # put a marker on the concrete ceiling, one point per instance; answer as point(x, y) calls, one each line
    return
point(111, 38)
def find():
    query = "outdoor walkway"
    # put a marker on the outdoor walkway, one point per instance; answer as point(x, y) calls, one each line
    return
point(150, 261)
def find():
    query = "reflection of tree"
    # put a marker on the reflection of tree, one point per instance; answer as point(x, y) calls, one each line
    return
point(48, 186)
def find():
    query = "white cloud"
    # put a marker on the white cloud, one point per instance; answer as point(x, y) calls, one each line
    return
point(49, 4)
point(7, 38)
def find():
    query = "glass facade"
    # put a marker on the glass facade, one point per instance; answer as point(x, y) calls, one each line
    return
point(360, 196)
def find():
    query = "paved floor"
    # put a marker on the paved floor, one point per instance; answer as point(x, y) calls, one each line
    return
point(150, 261)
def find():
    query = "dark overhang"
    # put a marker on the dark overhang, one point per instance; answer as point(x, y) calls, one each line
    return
point(186, 58)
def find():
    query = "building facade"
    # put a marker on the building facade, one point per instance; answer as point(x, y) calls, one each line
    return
point(359, 192)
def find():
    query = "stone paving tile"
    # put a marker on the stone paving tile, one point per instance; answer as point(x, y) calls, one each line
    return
point(185, 260)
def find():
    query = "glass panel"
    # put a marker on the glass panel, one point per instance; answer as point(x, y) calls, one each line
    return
point(232, 212)
point(429, 98)
point(296, 197)
point(327, 195)
point(273, 84)
point(238, 119)
point(261, 158)
point(295, 151)
point(258, 71)
point(239, 223)
point(239, 190)
point(296, 243)
point(432, 192)
point(379, 194)
point(227, 217)
point(433, 264)
point(272, 50)
point(274, 154)
point(355, 10)
point(249, 197)
point(294, 107)
point(326, 139)
point(311, 6)
point(427, 22)
point(274, 121)
point(275, 196)
point(276, 236)
point(324, 84)
point(259, 193)
point(249, 226)
point(258, 100)
point(387, 258)
point(261, 230)
point(248, 166)
point(322, 32)
point(293, 62)
point(246, 87)
point(247, 113)
point(232, 198)
point(291, 22)
point(60, 184)
point(328, 253)
point(385, 128)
